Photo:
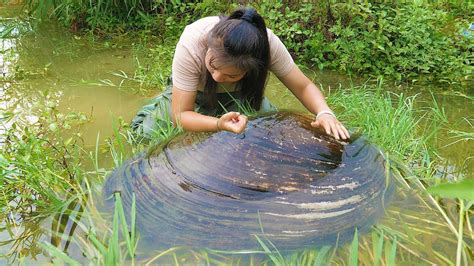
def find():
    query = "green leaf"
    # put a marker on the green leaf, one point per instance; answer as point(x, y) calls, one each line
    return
point(276, 259)
point(377, 247)
point(463, 190)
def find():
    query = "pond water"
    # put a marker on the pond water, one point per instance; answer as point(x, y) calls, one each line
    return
point(79, 74)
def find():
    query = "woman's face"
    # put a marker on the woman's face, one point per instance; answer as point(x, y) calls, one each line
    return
point(223, 74)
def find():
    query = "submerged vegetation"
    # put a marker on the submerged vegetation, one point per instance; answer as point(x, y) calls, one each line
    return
point(48, 176)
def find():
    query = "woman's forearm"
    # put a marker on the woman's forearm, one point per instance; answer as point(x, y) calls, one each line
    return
point(312, 98)
point(305, 90)
point(192, 121)
point(231, 121)
point(183, 114)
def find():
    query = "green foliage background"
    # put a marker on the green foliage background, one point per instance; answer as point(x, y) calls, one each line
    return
point(402, 41)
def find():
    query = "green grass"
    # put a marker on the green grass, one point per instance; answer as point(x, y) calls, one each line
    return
point(45, 171)
point(104, 252)
point(386, 117)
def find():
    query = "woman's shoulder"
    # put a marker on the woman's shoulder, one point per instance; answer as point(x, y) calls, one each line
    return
point(204, 22)
point(281, 62)
point(199, 28)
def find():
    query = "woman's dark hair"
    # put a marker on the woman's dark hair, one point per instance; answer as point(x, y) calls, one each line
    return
point(241, 41)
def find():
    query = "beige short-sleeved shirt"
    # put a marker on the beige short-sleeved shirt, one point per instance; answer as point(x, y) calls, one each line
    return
point(189, 69)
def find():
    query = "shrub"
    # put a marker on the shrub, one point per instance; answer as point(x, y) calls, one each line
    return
point(400, 42)
point(405, 42)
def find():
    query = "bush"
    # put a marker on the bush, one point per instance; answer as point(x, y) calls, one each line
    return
point(399, 42)
point(405, 42)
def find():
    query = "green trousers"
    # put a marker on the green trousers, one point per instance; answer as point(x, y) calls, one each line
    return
point(156, 115)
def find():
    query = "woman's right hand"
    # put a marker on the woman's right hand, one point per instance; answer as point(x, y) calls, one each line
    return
point(232, 122)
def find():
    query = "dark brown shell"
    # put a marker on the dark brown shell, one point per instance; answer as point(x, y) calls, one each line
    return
point(281, 180)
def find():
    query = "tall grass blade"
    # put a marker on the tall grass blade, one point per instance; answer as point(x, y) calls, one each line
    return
point(460, 234)
point(133, 213)
point(175, 258)
point(260, 222)
point(55, 252)
point(321, 258)
point(393, 252)
point(378, 249)
point(123, 223)
point(112, 256)
point(354, 255)
point(276, 250)
point(277, 260)
point(102, 249)
point(164, 253)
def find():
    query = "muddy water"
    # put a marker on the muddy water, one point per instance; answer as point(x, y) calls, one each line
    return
point(75, 73)
point(80, 75)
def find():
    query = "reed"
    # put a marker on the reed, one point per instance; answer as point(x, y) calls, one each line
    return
point(108, 251)
point(385, 117)
point(41, 173)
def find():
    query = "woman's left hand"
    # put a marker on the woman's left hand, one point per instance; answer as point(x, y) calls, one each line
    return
point(332, 126)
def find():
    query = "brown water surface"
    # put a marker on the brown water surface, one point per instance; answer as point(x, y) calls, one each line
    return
point(79, 73)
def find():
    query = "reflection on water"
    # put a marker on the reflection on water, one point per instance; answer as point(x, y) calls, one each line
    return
point(458, 153)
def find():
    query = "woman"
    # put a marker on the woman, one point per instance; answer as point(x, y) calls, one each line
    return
point(222, 63)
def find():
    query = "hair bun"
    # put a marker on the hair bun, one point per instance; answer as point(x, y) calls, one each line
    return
point(248, 14)
point(247, 17)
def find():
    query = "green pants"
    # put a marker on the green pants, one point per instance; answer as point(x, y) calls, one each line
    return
point(157, 114)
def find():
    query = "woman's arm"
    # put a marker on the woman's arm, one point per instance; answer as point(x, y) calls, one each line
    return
point(312, 98)
point(183, 114)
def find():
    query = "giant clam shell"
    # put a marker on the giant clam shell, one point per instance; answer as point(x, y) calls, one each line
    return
point(281, 179)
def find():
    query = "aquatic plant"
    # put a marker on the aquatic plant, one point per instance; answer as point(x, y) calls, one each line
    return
point(41, 168)
point(109, 251)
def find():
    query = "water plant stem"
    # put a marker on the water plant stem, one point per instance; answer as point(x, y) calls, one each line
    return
point(460, 233)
